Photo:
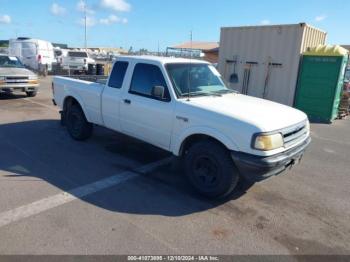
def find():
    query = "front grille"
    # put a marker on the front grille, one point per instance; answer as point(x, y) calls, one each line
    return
point(294, 135)
point(16, 79)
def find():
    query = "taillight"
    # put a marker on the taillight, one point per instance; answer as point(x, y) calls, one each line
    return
point(39, 58)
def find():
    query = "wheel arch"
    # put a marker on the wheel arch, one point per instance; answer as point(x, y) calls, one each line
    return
point(189, 138)
point(69, 101)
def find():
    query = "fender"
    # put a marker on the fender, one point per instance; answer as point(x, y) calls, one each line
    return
point(69, 93)
point(201, 130)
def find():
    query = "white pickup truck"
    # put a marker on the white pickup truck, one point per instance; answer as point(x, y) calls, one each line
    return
point(76, 61)
point(184, 107)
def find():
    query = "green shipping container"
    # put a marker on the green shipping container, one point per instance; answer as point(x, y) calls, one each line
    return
point(320, 82)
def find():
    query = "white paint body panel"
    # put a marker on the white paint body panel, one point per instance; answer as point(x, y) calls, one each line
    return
point(232, 119)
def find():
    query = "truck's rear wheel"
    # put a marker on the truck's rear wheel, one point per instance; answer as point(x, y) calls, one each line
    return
point(210, 169)
point(78, 127)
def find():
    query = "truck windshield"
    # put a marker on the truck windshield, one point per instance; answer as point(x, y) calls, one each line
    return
point(58, 52)
point(10, 61)
point(196, 80)
point(77, 54)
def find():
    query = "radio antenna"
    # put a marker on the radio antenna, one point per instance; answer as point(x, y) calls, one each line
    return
point(190, 68)
point(85, 25)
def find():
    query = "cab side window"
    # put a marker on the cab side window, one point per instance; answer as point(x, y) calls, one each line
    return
point(118, 74)
point(145, 78)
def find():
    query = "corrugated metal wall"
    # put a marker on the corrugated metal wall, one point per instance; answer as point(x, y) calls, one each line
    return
point(312, 37)
point(264, 45)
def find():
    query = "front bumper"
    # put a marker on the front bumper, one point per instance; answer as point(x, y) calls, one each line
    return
point(75, 67)
point(258, 168)
point(18, 87)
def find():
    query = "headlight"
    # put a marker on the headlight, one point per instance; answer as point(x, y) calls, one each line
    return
point(33, 78)
point(308, 129)
point(268, 142)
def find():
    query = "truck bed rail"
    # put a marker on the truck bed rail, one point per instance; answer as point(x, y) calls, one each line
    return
point(90, 78)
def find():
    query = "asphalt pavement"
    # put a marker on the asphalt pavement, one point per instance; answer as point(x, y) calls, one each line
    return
point(116, 195)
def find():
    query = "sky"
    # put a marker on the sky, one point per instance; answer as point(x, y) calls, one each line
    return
point(152, 23)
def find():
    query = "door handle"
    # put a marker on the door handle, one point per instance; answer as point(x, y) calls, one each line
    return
point(127, 101)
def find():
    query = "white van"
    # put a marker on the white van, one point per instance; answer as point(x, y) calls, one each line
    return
point(36, 54)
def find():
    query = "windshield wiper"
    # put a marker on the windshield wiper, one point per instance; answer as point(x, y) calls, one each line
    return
point(225, 91)
point(196, 94)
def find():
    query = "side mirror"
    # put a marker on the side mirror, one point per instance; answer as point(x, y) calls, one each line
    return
point(158, 92)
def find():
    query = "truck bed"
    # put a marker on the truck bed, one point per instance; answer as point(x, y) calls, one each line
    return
point(90, 78)
point(86, 89)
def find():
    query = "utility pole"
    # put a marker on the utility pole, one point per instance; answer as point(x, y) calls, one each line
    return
point(85, 18)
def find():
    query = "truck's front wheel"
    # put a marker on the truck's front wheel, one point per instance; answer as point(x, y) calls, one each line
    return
point(210, 169)
point(78, 127)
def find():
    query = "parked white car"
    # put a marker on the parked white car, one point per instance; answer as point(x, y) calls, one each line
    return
point(35, 54)
point(184, 107)
point(59, 54)
point(76, 61)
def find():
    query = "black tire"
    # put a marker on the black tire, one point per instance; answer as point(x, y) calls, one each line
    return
point(210, 169)
point(31, 93)
point(78, 127)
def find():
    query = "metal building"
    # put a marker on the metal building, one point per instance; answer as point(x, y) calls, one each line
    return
point(263, 61)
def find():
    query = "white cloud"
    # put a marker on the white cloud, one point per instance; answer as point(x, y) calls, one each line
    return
point(5, 19)
point(113, 19)
point(320, 18)
point(56, 9)
point(90, 21)
point(116, 5)
point(81, 5)
point(265, 22)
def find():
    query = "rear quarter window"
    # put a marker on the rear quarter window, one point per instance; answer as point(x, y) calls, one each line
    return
point(118, 74)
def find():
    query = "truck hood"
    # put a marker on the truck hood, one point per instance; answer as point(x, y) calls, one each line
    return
point(265, 115)
point(15, 71)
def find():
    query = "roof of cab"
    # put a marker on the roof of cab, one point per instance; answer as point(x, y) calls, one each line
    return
point(160, 59)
